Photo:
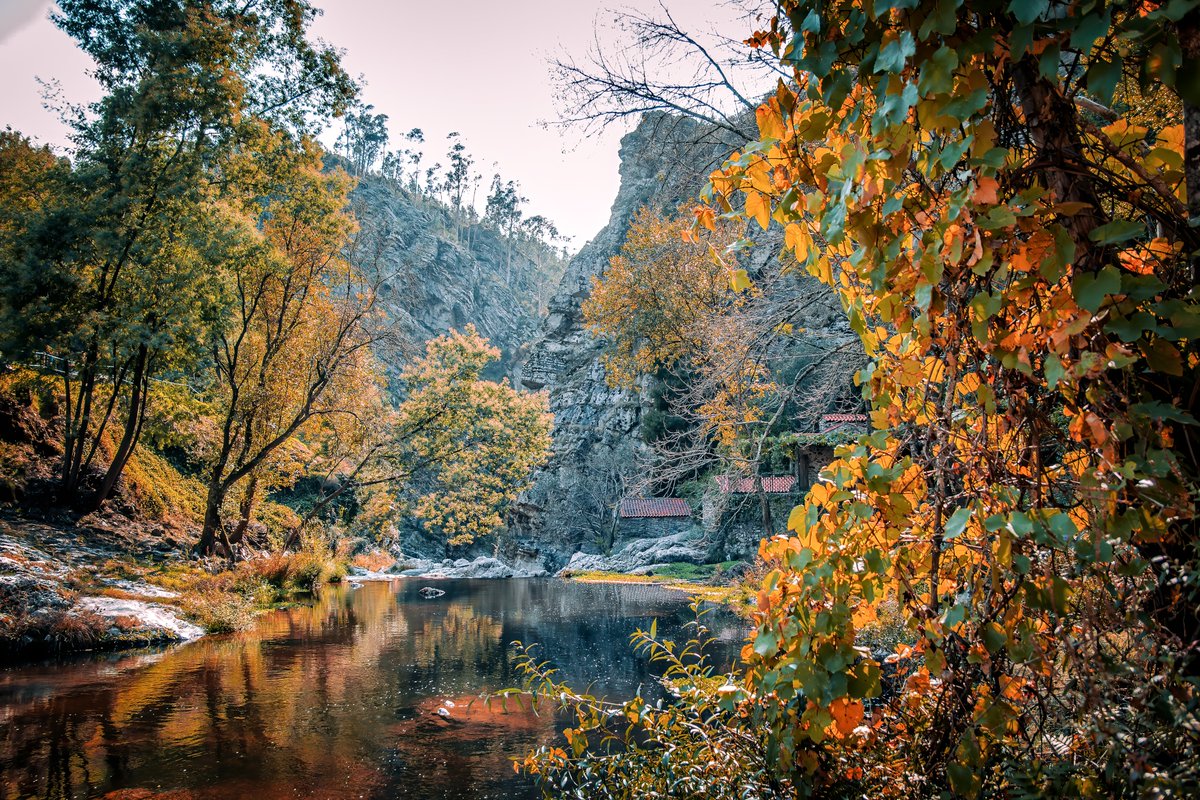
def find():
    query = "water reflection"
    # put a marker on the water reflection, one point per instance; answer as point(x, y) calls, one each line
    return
point(337, 699)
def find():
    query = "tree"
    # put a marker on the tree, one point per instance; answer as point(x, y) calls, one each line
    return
point(296, 345)
point(730, 363)
point(363, 139)
point(457, 449)
point(135, 241)
point(504, 211)
point(658, 66)
point(398, 163)
point(470, 444)
point(649, 303)
point(994, 263)
point(458, 174)
point(1018, 262)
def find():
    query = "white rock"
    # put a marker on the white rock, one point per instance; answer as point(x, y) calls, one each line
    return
point(152, 615)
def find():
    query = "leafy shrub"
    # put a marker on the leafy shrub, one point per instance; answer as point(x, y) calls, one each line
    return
point(159, 490)
point(701, 745)
point(221, 612)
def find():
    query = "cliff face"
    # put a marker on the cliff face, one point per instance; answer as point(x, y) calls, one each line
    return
point(439, 275)
point(596, 427)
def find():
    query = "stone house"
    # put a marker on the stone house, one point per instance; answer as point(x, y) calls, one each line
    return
point(642, 517)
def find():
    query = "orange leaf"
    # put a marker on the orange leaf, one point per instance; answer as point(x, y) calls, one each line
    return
point(847, 715)
point(987, 191)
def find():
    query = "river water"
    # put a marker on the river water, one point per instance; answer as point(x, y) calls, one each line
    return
point(337, 699)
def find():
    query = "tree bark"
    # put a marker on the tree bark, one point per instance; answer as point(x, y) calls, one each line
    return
point(212, 518)
point(133, 427)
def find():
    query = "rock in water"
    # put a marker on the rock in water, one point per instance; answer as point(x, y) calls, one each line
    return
point(428, 592)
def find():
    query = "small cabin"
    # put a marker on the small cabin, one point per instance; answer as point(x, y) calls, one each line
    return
point(654, 516)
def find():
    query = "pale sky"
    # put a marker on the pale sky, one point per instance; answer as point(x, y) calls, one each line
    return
point(474, 66)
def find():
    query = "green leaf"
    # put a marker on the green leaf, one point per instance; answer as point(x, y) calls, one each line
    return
point(1158, 410)
point(1091, 288)
point(1089, 28)
point(892, 56)
point(937, 72)
point(986, 305)
point(863, 680)
point(1026, 11)
point(957, 523)
point(1102, 77)
point(796, 518)
point(1119, 230)
point(1053, 369)
point(766, 642)
point(994, 637)
point(998, 217)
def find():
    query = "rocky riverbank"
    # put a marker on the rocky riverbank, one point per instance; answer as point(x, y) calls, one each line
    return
point(61, 589)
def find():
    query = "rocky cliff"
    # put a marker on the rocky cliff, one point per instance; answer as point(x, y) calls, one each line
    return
point(596, 427)
point(440, 275)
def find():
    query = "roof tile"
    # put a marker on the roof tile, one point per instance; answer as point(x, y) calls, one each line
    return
point(641, 507)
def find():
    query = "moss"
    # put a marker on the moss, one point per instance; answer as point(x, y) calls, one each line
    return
point(159, 490)
point(695, 572)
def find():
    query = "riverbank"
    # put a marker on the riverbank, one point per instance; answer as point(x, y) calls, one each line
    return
point(111, 583)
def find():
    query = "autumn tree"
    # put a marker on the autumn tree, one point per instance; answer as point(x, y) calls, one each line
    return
point(1019, 262)
point(134, 244)
point(470, 444)
point(731, 361)
point(295, 346)
point(649, 303)
point(457, 450)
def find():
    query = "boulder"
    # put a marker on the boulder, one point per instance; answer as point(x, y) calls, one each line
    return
point(644, 554)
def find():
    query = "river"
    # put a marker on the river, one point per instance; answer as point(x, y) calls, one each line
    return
point(339, 698)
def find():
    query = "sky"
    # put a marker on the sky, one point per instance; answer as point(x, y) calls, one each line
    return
point(478, 67)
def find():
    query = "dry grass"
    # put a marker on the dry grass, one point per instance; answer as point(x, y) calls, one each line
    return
point(375, 561)
point(735, 597)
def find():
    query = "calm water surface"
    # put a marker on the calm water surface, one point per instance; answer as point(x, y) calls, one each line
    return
point(334, 700)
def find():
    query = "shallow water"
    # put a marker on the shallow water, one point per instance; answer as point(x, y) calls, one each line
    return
point(338, 699)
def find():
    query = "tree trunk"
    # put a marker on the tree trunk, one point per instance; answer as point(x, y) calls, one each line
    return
point(212, 520)
point(245, 510)
point(133, 427)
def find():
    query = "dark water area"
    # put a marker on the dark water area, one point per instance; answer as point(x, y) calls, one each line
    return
point(337, 699)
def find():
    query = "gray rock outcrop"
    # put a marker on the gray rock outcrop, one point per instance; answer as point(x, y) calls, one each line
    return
point(439, 275)
point(640, 555)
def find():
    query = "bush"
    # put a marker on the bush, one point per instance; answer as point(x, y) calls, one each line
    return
point(302, 571)
point(159, 490)
point(221, 612)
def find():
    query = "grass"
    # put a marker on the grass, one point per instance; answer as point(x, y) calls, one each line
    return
point(698, 580)
point(228, 599)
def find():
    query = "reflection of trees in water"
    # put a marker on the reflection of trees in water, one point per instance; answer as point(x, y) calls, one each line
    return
point(340, 694)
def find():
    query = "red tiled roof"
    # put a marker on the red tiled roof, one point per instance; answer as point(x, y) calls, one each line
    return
point(637, 507)
point(772, 484)
point(844, 418)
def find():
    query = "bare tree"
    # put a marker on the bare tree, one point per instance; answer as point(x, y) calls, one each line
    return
point(656, 65)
